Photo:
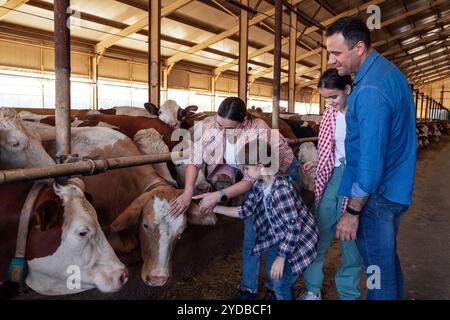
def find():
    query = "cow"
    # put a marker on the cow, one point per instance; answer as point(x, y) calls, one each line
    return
point(130, 125)
point(19, 146)
point(140, 190)
point(51, 120)
point(64, 235)
point(149, 141)
point(301, 129)
point(171, 113)
point(128, 111)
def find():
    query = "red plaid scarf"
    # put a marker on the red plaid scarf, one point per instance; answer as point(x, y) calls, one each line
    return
point(325, 154)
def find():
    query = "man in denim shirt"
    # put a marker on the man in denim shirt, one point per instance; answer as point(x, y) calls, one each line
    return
point(381, 154)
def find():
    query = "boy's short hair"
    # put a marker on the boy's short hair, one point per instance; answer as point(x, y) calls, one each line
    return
point(254, 152)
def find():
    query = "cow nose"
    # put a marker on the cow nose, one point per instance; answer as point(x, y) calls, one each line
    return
point(157, 281)
point(124, 277)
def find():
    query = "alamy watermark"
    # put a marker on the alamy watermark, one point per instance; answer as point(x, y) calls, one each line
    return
point(73, 281)
point(374, 20)
point(373, 281)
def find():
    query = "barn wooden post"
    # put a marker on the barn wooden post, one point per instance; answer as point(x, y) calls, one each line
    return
point(426, 108)
point(243, 52)
point(62, 76)
point(154, 50)
point(417, 101)
point(292, 61)
point(277, 64)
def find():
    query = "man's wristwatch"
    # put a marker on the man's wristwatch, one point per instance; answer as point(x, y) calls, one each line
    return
point(223, 196)
point(353, 211)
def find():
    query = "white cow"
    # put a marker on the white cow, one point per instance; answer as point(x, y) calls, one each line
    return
point(19, 146)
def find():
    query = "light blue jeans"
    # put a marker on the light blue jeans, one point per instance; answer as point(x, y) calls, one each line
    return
point(348, 275)
point(252, 264)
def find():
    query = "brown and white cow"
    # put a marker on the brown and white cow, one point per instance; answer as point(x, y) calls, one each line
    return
point(150, 142)
point(19, 146)
point(115, 192)
point(64, 235)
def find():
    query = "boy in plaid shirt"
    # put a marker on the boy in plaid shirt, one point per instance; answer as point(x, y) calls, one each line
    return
point(286, 230)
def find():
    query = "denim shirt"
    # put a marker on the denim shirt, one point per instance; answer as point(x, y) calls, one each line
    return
point(381, 133)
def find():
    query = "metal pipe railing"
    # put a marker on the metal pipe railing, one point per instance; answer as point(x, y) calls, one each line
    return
point(292, 142)
point(85, 167)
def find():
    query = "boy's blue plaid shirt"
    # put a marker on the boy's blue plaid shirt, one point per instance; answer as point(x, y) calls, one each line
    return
point(293, 227)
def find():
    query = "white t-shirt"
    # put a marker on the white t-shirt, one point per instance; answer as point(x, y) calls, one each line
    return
point(339, 136)
point(231, 153)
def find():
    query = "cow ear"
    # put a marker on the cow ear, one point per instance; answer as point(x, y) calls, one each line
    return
point(130, 216)
point(194, 216)
point(151, 108)
point(180, 114)
point(49, 215)
point(189, 111)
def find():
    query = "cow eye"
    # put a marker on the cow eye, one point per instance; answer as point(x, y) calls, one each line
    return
point(145, 226)
point(83, 233)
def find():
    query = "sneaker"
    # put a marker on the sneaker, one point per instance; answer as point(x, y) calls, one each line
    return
point(245, 295)
point(270, 295)
point(308, 295)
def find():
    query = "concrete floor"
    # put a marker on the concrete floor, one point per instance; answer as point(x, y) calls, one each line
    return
point(424, 238)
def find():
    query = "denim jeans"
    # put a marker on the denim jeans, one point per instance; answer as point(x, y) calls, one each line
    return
point(252, 264)
point(348, 275)
point(377, 242)
point(283, 287)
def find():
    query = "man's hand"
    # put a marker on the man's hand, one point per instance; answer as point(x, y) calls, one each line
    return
point(347, 227)
point(310, 166)
point(208, 201)
point(276, 272)
point(180, 204)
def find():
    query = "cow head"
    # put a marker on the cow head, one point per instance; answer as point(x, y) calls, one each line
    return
point(170, 112)
point(158, 231)
point(19, 146)
point(82, 258)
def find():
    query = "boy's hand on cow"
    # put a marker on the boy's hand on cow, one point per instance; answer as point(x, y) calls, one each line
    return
point(208, 201)
point(276, 272)
point(310, 166)
point(180, 204)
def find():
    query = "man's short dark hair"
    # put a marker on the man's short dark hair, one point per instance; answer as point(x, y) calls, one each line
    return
point(353, 29)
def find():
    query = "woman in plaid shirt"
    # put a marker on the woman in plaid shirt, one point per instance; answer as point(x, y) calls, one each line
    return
point(329, 204)
point(286, 230)
point(212, 147)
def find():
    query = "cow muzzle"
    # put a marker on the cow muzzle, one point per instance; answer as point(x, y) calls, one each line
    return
point(156, 280)
point(112, 281)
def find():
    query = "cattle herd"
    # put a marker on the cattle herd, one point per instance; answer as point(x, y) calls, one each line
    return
point(90, 220)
